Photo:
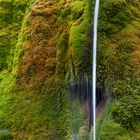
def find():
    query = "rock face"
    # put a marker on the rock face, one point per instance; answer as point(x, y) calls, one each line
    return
point(46, 44)
point(38, 63)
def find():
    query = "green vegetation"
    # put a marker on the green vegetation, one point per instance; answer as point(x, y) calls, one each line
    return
point(118, 64)
point(44, 45)
point(107, 129)
point(35, 52)
point(79, 40)
point(5, 136)
point(11, 13)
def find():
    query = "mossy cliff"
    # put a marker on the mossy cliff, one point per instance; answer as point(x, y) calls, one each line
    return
point(45, 44)
point(119, 67)
point(46, 49)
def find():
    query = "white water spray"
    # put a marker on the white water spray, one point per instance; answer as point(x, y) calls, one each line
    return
point(94, 66)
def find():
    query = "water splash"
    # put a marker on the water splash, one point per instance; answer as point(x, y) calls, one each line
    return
point(94, 66)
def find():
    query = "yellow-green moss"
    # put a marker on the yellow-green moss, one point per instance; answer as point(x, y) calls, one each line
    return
point(117, 67)
point(50, 46)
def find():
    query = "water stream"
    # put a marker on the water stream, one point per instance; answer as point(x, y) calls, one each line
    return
point(94, 66)
point(85, 96)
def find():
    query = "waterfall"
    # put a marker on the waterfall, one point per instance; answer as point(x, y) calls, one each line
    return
point(94, 66)
point(85, 95)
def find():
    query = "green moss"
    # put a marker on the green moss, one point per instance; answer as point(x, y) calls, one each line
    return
point(126, 110)
point(40, 114)
point(77, 8)
point(116, 15)
point(107, 128)
point(64, 13)
point(118, 26)
point(34, 102)
point(79, 39)
point(5, 136)
point(61, 54)
point(11, 13)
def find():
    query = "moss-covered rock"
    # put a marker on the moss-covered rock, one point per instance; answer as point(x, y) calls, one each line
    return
point(118, 59)
point(34, 102)
point(44, 45)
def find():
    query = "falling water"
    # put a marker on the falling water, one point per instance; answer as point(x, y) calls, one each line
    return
point(94, 66)
point(85, 96)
